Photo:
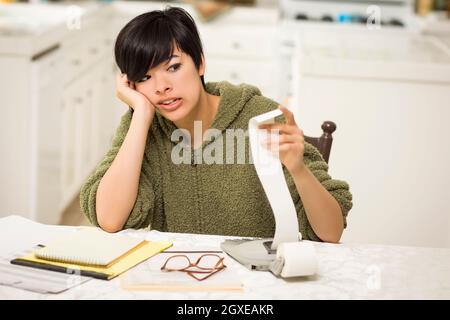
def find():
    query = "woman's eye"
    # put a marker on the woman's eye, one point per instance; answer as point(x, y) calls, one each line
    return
point(175, 67)
point(144, 79)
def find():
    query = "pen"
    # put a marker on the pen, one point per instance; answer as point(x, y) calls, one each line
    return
point(49, 267)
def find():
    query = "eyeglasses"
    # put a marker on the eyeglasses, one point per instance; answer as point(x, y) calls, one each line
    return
point(207, 264)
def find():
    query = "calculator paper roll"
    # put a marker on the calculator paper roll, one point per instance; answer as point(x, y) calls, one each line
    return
point(270, 173)
point(299, 259)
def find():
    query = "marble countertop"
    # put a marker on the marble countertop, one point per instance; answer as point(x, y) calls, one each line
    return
point(346, 271)
point(27, 29)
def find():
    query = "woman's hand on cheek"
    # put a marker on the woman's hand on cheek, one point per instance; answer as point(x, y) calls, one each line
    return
point(291, 142)
point(127, 93)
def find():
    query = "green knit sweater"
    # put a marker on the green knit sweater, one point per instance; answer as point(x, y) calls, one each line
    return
point(225, 199)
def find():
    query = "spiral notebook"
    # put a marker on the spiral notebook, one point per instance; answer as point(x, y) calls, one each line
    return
point(91, 247)
point(126, 262)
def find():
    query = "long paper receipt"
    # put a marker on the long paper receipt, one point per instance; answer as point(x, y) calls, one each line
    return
point(270, 173)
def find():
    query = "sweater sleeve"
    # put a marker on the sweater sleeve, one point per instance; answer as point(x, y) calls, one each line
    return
point(337, 188)
point(142, 211)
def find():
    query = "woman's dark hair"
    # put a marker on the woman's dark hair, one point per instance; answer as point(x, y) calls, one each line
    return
point(149, 39)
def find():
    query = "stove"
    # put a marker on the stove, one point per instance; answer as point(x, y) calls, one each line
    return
point(392, 13)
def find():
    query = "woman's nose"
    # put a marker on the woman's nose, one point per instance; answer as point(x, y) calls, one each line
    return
point(162, 86)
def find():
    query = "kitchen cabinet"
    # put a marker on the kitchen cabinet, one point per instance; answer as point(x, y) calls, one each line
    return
point(69, 145)
point(30, 136)
point(243, 54)
point(59, 117)
point(89, 116)
point(74, 109)
point(261, 74)
point(45, 145)
point(87, 127)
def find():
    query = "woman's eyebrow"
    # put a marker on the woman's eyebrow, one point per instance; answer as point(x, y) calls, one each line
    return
point(171, 57)
point(168, 60)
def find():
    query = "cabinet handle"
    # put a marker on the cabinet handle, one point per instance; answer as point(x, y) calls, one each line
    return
point(236, 45)
point(45, 52)
point(286, 43)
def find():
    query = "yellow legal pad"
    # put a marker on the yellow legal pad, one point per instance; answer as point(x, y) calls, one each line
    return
point(140, 253)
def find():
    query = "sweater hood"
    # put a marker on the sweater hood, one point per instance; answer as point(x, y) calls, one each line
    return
point(233, 99)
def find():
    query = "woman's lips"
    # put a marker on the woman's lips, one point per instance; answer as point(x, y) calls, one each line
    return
point(171, 107)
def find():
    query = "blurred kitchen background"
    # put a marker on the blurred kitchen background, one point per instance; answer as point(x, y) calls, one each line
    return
point(379, 69)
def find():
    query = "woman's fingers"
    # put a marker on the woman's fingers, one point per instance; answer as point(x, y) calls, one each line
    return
point(281, 128)
point(118, 79)
point(276, 148)
point(288, 115)
point(279, 148)
point(122, 80)
point(291, 139)
point(287, 127)
point(284, 138)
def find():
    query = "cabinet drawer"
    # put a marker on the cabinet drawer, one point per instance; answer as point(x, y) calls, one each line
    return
point(258, 73)
point(81, 55)
point(98, 44)
point(94, 48)
point(239, 42)
point(48, 67)
point(74, 61)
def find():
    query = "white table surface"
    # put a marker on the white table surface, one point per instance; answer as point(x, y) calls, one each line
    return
point(346, 271)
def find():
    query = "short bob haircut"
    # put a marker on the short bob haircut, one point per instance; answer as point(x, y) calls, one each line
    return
point(149, 39)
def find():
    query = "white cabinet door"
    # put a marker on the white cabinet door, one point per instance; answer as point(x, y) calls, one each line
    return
point(260, 73)
point(239, 41)
point(105, 108)
point(244, 54)
point(87, 139)
point(46, 139)
point(58, 119)
point(74, 101)
point(68, 148)
point(89, 121)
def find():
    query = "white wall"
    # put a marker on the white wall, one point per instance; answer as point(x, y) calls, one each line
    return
point(390, 146)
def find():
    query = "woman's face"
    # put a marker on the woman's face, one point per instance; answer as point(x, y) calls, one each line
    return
point(177, 79)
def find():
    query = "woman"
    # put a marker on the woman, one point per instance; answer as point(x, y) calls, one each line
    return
point(141, 183)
